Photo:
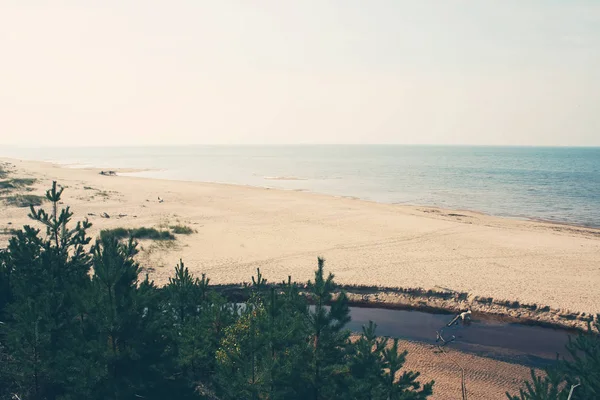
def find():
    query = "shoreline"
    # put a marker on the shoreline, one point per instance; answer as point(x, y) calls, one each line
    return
point(132, 172)
point(368, 243)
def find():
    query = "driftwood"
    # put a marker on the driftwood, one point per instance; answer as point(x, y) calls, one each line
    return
point(464, 316)
point(571, 391)
point(440, 338)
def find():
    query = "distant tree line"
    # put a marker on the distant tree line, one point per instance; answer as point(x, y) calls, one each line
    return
point(78, 322)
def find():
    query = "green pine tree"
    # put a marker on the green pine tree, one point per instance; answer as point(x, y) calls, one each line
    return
point(114, 315)
point(242, 354)
point(328, 338)
point(45, 277)
point(366, 365)
point(579, 376)
point(401, 386)
point(288, 354)
point(547, 387)
point(584, 368)
point(198, 317)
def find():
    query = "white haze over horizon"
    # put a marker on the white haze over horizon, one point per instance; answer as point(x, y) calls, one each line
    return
point(124, 72)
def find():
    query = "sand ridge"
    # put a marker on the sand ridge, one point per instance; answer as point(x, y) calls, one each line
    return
point(241, 228)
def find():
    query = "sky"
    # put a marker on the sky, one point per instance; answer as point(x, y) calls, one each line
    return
point(149, 72)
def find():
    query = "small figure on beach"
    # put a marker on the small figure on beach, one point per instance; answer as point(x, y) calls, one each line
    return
point(160, 200)
point(108, 173)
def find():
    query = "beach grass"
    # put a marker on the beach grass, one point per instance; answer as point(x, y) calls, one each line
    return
point(6, 185)
point(24, 200)
point(137, 233)
point(8, 231)
point(182, 229)
point(16, 183)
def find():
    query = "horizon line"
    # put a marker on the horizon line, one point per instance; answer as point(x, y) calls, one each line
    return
point(294, 145)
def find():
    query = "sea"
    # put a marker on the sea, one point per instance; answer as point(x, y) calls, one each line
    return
point(560, 184)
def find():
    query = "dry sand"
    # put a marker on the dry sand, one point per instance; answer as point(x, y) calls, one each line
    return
point(282, 232)
point(485, 378)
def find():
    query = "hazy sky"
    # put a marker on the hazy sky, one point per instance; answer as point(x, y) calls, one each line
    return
point(308, 71)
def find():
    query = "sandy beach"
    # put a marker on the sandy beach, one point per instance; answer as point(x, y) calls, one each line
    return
point(485, 378)
point(239, 229)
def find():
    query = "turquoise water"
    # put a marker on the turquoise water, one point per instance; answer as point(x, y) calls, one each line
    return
point(557, 184)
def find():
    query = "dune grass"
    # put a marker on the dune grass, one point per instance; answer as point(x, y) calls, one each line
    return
point(6, 185)
point(182, 229)
point(137, 233)
point(8, 231)
point(20, 182)
point(24, 200)
point(16, 183)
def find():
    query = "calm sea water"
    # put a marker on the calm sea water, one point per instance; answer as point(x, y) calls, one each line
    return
point(558, 184)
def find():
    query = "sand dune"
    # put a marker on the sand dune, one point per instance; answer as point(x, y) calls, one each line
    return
point(283, 232)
